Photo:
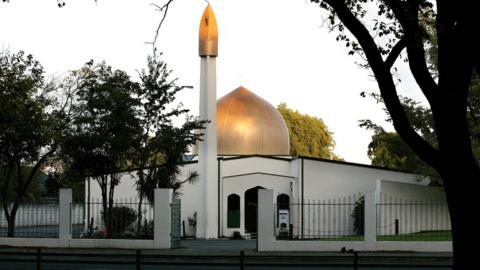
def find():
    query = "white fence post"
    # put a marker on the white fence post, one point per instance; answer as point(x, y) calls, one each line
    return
point(266, 218)
point(64, 200)
point(162, 218)
point(370, 220)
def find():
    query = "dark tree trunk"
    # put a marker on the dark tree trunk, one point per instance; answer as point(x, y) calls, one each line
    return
point(139, 216)
point(11, 218)
point(461, 178)
point(462, 193)
point(110, 204)
point(103, 185)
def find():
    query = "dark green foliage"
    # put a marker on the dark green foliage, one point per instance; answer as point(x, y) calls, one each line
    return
point(358, 215)
point(29, 128)
point(104, 130)
point(121, 218)
point(162, 145)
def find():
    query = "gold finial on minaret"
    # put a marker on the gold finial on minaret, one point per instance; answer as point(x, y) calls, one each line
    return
point(208, 38)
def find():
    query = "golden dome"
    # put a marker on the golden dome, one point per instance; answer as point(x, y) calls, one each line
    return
point(208, 34)
point(247, 125)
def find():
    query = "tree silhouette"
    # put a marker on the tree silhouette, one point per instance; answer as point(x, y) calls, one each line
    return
point(381, 39)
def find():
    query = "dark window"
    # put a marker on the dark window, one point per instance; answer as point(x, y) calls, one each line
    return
point(283, 202)
point(233, 211)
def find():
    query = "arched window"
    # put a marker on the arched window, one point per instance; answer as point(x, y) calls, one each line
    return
point(233, 211)
point(283, 201)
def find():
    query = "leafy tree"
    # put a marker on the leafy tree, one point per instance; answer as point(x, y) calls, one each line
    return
point(309, 136)
point(380, 39)
point(104, 129)
point(29, 128)
point(387, 149)
point(161, 146)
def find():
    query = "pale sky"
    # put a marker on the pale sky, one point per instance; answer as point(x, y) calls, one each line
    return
point(278, 49)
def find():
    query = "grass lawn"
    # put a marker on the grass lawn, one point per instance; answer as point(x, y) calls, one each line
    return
point(419, 236)
point(339, 238)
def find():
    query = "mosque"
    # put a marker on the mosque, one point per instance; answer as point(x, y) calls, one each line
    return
point(246, 148)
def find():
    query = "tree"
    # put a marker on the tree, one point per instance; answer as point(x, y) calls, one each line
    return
point(309, 136)
point(397, 28)
point(161, 147)
point(29, 128)
point(104, 130)
point(387, 149)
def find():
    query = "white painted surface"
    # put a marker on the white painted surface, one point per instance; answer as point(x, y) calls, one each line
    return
point(415, 208)
point(192, 197)
point(162, 218)
point(240, 184)
point(370, 234)
point(411, 191)
point(162, 227)
point(335, 246)
point(266, 232)
point(254, 164)
point(324, 179)
point(207, 223)
point(65, 200)
point(370, 243)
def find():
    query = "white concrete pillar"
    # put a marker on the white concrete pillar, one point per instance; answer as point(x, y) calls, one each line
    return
point(162, 218)
point(266, 220)
point(207, 225)
point(370, 220)
point(64, 205)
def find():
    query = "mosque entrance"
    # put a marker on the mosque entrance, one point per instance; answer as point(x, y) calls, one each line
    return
point(251, 201)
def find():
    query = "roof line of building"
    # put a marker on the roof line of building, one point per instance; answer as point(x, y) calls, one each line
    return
point(262, 173)
point(352, 164)
point(276, 157)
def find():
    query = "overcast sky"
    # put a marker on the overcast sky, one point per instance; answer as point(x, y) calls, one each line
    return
point(279, 49)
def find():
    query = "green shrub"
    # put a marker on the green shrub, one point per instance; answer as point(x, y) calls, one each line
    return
point(122, 217)
point(358, 216)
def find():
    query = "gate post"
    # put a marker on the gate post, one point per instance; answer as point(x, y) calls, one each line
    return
point(265, 219)
point(161, 218)
point(64, 204)
point(370, 220)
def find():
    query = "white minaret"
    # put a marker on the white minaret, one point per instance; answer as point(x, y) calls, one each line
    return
point(207, 219)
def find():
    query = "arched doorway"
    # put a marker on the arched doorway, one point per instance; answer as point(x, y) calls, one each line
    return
point(251, 201)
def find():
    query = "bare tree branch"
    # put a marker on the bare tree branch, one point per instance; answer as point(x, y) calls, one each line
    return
point(163, 9)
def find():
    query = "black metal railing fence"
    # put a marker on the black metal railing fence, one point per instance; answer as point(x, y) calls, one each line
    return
point(125, 220)
point(409, 220)
point(329, 219)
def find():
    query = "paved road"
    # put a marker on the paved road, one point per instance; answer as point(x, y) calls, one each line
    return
point(215, 254)
point(100, 266)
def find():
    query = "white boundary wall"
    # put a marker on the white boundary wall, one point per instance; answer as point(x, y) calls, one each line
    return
point(162, 229)
point(267, 241)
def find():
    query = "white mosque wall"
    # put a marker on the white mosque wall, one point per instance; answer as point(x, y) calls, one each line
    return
point(324, 180)
point(247, 165)
point(409, 191)
point(240, 184)
point(125, 190)
point(405, 208)
point(192, 198)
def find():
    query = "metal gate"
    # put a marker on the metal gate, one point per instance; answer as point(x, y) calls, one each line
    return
point(175, 218)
